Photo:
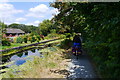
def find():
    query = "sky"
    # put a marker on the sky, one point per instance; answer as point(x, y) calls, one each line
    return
point(29, 13)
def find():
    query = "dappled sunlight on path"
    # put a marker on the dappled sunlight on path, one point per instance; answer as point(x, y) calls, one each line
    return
point(81, 68)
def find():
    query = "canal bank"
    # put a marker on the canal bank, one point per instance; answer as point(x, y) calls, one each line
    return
point(26, 52)
point(52, 65)
point(5, 54)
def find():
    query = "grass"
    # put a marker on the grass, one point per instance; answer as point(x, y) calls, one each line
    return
point(15, 50)
point(16, 45)
point(40, 67)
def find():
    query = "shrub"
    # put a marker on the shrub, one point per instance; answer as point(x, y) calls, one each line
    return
point(19, 39)
point(25, 39)
point(67, 43)
point(5, 42)
point(15, 39)
point(38, 38)
point(32, 39)
point(53, 31)
point(62, 36)
point(52, 35)
point(29, 38)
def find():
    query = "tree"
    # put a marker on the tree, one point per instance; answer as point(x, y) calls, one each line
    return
point(26, 28)
point(99, 24)
point(45, 27)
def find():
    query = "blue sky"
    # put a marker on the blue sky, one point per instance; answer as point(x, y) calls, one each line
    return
point(29, 13)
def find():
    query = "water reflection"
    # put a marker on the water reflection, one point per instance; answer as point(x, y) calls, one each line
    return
point(26, 53)
point(21, 58)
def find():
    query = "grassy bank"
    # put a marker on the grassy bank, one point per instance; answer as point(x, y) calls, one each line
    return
point(19, 44)
point(15, 45)
point(16, 50)
point(52, 65)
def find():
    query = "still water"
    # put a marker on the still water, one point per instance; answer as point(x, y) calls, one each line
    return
point(21, 58)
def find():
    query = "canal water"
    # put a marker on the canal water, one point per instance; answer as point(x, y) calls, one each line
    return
point(21, 58)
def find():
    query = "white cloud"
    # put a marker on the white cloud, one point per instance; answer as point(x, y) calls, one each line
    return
point(42, 8)
point(37, 22)
point(34, 15)
point(21, 19)
point(7, 12)
point(38, 11)
point(41, 11)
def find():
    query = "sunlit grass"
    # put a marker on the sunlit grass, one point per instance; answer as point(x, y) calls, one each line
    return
point(19, 44)
point(39, 67)
point(16, 45)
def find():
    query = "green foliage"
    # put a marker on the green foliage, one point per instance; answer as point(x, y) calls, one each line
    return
point(52, 35)
point(99, 24)
point(53, 31)
point(65, 44)
point(5, 42)
point(26, 28)
point(25, 39)
point(38, 38)
point(45, 27)
point(62, 36)
point(19, 39)
point(33, 39)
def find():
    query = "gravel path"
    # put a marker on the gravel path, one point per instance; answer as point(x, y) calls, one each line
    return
point(81, 68)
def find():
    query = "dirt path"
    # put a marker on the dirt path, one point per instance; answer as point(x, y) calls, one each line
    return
point(81, 68)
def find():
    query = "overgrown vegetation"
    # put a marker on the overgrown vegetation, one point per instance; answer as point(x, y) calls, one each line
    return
point(99, 24)
point(40, 67)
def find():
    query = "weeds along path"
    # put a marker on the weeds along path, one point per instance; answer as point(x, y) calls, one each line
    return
point(81, 68)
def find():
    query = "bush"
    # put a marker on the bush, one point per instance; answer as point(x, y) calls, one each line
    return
point(67, 43)
point(38, 38)
point(5, 42)
point(19, 39)
point(15, 39)
point(62, 36)
point(25, 39)
point(52, 35)
point(31, 39)
point(55, 35)
point(53, 31)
